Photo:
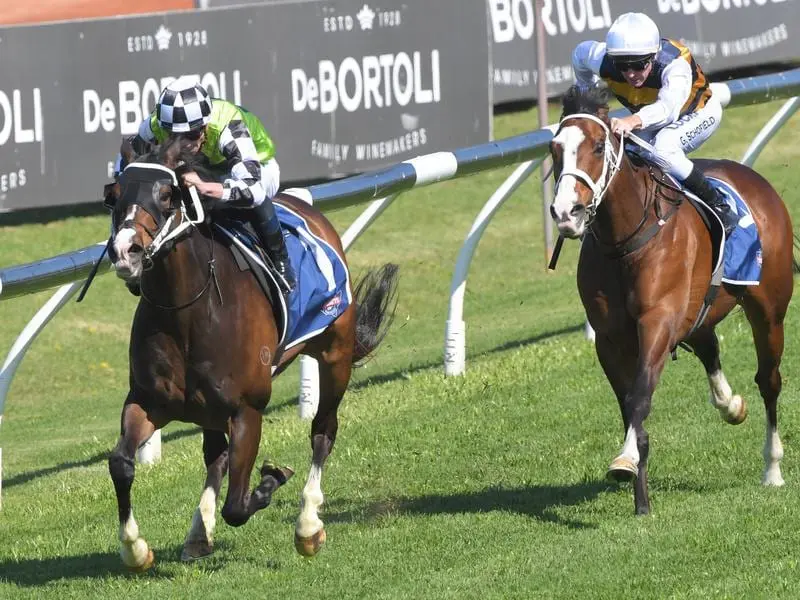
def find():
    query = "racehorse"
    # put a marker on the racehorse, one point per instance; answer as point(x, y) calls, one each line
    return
point(204, 341)
point(644, 270)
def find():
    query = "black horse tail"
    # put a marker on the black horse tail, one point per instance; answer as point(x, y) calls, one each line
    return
point(376, 302)
point(796, 253)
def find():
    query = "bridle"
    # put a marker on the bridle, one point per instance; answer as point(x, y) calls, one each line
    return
point(179, 223)
point(611, 166)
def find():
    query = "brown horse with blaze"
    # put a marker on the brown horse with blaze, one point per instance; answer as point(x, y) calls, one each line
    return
point(644, 270)
point(204, 344)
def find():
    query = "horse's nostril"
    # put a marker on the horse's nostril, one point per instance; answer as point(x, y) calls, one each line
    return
point(135, 249)
point(577, 210)
point(553, 212)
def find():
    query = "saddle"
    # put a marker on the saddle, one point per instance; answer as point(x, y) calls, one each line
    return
point(249, 256)
point(323, 279)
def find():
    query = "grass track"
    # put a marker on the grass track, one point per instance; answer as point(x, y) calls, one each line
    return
point(484, 486)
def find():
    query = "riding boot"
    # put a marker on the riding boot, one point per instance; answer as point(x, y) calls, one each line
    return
point(697, 183)
point(269, 231)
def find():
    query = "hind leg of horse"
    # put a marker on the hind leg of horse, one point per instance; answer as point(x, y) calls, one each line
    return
point(310, 530)
point(136, 428)
point(732, 408)
point(199, 541)
point(245, 435)
point(767, 327)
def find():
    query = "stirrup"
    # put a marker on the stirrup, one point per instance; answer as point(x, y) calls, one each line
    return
point(286, 275)
point(728, 218)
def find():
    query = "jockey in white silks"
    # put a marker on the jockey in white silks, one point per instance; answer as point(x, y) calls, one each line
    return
point(658, 80)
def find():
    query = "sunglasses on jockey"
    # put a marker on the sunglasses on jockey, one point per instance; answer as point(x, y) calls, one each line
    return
point(631, 63)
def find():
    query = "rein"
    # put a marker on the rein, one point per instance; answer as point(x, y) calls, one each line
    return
point(638, 238)
point(212, 277)
point(612, 164)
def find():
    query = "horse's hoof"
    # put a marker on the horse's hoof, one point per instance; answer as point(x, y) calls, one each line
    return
point(281, 474)
point(772, 478)
point(622, 469)
point(309, 546)
point(737, 411)
point(146, 565)
point(196, 550)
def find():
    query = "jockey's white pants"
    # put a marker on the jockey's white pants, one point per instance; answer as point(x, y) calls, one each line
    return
point(674, 141)
point(270, 178)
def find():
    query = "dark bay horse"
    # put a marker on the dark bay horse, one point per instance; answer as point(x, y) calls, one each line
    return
point(642, 296)
point(203, 344)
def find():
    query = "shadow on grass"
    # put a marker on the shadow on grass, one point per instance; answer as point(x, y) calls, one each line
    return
point(27, 476)
point(539, 502)
point(36, 572)
point(280, 405)
point(404, 373)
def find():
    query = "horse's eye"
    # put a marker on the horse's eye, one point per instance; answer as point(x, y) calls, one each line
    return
point(599, 148)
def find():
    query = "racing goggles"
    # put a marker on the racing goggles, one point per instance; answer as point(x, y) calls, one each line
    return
point(631, 63)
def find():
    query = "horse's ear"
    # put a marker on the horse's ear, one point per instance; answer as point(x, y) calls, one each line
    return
point(600, 97)
point(110, 195)
point(128, 151)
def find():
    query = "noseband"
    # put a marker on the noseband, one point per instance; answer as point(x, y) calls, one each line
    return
point(610, 159)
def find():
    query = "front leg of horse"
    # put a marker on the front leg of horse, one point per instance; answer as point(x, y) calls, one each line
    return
point(136, 428)
point(245, 435)
point(654, 341)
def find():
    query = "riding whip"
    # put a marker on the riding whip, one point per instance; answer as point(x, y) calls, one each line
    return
point(93, 272)
point(556, 252)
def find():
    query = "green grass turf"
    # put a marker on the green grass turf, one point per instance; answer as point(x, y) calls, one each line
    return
point(488, 485)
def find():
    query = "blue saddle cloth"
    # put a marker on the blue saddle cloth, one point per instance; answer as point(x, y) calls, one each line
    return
point(743, 248)
point(323, 281)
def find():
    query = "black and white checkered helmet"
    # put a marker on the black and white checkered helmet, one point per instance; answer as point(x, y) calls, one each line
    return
point(183, 106)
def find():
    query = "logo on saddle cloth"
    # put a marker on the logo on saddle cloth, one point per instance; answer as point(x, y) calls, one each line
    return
point(331, 307)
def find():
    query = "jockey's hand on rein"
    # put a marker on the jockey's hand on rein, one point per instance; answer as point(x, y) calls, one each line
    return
point(191, 178)
point(626, 124)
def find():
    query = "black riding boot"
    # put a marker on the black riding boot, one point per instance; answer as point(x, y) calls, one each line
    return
point(697, 183)
point(269, 231)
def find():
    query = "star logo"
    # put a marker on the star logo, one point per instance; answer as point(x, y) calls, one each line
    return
point(366, 16)
point(163, 36)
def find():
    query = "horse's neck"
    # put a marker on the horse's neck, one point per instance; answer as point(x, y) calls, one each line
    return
point(623, 207)
point(181, 273)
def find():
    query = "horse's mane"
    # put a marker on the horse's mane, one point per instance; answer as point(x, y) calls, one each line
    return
point(174, 150)
point(589, 100)
point(186, 161)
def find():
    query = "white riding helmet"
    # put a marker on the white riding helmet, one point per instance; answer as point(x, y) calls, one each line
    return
point(633, 34)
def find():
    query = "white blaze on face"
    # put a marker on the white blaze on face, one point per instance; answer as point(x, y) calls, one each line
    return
point(570, 139)
point(127, 265)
